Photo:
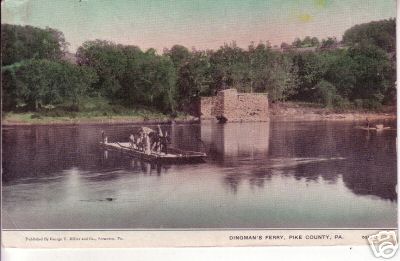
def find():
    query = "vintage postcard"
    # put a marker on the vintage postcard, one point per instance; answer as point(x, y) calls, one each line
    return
point(199, 123)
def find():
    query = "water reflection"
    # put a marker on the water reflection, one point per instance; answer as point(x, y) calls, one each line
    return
point(252, 167)
point(41, 151)
point(365, 161)
point(228, 142)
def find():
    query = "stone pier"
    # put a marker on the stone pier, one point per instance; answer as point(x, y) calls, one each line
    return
point(235, 107)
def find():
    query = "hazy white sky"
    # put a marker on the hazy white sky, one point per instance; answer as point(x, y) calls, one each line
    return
point(195, 23)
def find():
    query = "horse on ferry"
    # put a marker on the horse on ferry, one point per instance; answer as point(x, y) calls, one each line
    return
point(146, 137)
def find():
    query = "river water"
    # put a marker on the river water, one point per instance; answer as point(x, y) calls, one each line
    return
point(257, 175)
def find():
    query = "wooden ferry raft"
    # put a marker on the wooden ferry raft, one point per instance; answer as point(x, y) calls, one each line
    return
point(173, 155)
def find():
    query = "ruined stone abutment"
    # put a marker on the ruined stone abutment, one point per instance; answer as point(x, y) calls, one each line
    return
point(235, 107)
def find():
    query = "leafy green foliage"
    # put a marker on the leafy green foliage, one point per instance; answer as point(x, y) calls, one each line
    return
point(129, 75)
point(193, 78)
point(329, 43)
point(26, 42)
point(340, 72)
point(311, 68)
point(379, 33)
point(35, 83)
point(228, 67)
point(361, 75)
point(272, 72)
point(306, 42)
point(372, 71)
point(178, 54)
point(109, 62)
point(325, 93)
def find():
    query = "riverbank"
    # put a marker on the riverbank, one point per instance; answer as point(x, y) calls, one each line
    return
point(292, 111)
point(288, 111)
point(26, 119)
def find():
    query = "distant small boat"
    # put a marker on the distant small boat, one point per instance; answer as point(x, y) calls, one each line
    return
point(174, 155)
point(378, 127)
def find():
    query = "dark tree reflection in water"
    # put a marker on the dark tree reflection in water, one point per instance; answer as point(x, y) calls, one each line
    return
point(264, 175)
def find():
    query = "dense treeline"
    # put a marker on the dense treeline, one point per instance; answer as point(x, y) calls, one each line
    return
point(34, 73)
point(358, 72)
point(129, 75)
point(20, 43)
point(379, 33)
point(44, 82)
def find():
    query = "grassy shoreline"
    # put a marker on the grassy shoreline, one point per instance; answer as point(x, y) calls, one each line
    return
point(17, 120)
point(22, 119)
point(287, 111)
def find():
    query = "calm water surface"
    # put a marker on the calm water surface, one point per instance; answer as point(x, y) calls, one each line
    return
point(257, 175)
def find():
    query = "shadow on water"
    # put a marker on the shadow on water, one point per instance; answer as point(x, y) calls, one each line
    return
point(246, 152)
point(365, 161)
point(315, 171)
point(42, 151)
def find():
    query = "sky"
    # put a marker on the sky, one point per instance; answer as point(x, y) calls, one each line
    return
point(200, 24)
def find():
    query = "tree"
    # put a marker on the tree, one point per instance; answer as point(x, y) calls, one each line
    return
point(229, 67)
point(315, 42)
point(77, 80)
point(158, 82)
point(325, 93)
point(340, 72)
point(27, 42)
point(148, 80)
point(193, 78)
point(8, 84)
point(109, 62)
point(285, 46)
point(330, 42)
point(178, 54)
point(272, 72)
point(373, 72)
point(297, 43)
point(33, 73)
point(379, 33)
point(281, 81)
point(311, 68)
point(39, 82)
point(308, 41)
